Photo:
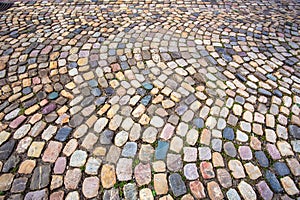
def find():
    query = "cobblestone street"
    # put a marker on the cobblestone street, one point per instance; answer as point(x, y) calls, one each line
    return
point(129, 99)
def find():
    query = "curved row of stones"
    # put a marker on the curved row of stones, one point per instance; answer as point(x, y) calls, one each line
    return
point(179, 102)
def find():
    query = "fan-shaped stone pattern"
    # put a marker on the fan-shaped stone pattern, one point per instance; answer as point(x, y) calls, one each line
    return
point(207, 84)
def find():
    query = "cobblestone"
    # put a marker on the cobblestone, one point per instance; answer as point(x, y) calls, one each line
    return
point(150, 100)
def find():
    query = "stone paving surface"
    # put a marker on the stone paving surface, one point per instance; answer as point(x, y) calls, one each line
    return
point(150, 100)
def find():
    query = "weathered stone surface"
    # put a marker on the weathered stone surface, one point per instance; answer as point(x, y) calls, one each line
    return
point(264, 190)
point(160, 183)
point(108, 176)
point(142, 174)
point(146, 194)
point(112, 194)
point(124, 169)
point(11, 163)
point(40, 177)
point(72, 178)
point(92, 166)
point(57, 195)
point(190, 171)
point(39, 194)
point(19, 185)
point(90, 187)
point(52, 151)
point(232, 194)
point(27, 166)
point(177, 185)
point(289, 185)
point(214, 191)
point(174, 162)
point(246, 191)
point(224, 178)
point(197, 189)
point(6, 181)
point(78, 158)
point(130, 191)
point(237, 169)
point(207, 171)
point(6, 149)
point(273, 181)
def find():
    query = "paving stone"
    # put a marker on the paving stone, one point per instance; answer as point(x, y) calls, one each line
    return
point(245, 152)
point(176, 144)
point(149, 135)
point(108, 176)
point(294, 131)
point(190, 171)
point(72, 195)
point(161, 150)
point(246, 190)
point(130, 191)
point(57, 195)
point(19, 185)
point(177, 185)
point(39, 194)
point(273, 181)
point(63, 133)
point(232, 194)
point(217, 160)
point(228, 133)
point(206, 170)
point(72, 178)
point(289, 185)
point(214, 191)
point(157, 122)
point(4, 136)
point(40, 177)
point(56, 181)
point(229, 149)
point(52, 151)
point(100, 124)
point(284, 148)
point(146, 193)
point(130, 149)
point(224, 178)
point(142, 174)
point(6, 181)
point(253, 171)
point(237, 169)
point(90, 187)
point(113, 154)
point(92, 166)
point(190, 154)
point(281, 168)
point(11, 163)
point(146, 153)
point(160, 183)
point(204, 153)
point(27, 166)
point(262, 158)
point(167, 131)
point(197, 189)
point(111, 194)
point(264, 190)
point(124, 169)
point(192, 137)
point(89, 141)
point(35, 149)
point(6, 149)
point(78, 158)
point(174, 162)
point(70, 147)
